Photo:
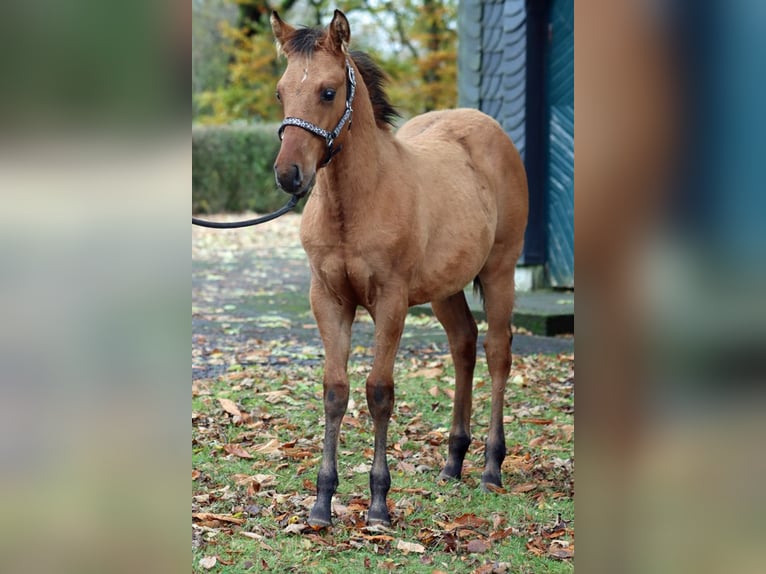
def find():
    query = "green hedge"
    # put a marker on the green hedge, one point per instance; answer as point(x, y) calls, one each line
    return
point(232, 169)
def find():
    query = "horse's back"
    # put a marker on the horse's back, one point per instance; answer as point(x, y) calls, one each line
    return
point(476, 152)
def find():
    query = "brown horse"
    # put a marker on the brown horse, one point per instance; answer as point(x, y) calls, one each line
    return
point(395, 221)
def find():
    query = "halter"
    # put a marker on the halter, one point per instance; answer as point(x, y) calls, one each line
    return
point(329, 137)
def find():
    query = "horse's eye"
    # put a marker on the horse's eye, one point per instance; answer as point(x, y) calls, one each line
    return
point(328, 95)
point(279, 98)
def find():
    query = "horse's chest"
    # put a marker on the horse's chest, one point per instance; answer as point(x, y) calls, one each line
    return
point(347, 276)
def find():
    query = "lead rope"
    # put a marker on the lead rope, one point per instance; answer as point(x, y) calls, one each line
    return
point(258, 220)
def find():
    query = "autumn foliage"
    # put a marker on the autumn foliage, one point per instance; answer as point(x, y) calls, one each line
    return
point(418, 53)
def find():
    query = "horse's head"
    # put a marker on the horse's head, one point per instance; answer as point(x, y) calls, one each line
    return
point(316, 92)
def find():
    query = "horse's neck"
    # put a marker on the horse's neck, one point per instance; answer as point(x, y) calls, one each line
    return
point(350, 182)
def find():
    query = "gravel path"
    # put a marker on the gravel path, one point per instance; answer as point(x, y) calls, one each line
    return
point(250, 305)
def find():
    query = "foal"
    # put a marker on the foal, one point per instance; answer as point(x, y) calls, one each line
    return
point(395, 221)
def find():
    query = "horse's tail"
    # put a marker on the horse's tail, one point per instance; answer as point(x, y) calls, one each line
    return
point(478, 289)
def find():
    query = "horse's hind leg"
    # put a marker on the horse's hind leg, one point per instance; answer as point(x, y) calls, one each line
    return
point(454, 315)
point(498, 287)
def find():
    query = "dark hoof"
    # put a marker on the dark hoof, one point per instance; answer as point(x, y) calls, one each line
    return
point(319, 518)
point(319, 522)
point(491, 482)
point(445, 476)
point(378, 517)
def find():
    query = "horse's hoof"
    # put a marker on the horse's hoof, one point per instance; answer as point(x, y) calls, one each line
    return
point(491, 482)
point(319, 520)
point(447, 477)
point(319, 523)
point(379, 518)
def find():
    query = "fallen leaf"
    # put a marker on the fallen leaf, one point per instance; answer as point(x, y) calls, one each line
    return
point(537, 441)
point(237, 450)
point(410, 547)
point(274, 397)
point(521, 488)
point(207, 562)
point(209, 516)
point(361, 468)
point(560, 552)
point(195, 474)
point(535, 421)
point(493, 568)
point(269, 448)
point(434, 391)
point(428, 373)
point(296, 528)
point(477, 546)
point(471, 521)
point(495, 488)
point(230, 407)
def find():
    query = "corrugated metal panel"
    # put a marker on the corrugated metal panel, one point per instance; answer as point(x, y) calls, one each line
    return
point(560, 187)
point(514, 71)
point(492, 60)
point(469, 53)
point(491, 85)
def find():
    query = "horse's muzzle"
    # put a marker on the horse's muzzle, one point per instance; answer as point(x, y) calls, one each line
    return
point(292, 180)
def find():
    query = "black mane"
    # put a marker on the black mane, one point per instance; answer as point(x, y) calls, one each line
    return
point(375, 80)
point(306, 40)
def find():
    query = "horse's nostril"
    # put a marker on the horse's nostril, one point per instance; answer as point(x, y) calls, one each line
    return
point(297, 177)
point(289, 179)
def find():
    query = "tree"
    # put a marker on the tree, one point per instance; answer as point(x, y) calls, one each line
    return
point(414, 41)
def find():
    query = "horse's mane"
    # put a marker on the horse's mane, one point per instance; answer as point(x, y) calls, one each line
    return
point(306, 40)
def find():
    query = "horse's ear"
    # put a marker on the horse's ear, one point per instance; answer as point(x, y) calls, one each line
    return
point(339, 32)
point(282, 30)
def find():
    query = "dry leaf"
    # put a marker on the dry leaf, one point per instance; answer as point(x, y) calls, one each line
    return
point(274, 397)
point(410, 547)
point(252, 535)
point(294, 528)
point(477, 546)
point(537, 441)
point(428, 373)
point(230, 407)
point(207, 562)
point(195, 474)
point(210, 516)
point(521, 488)
point(495, 488)
point(560, 552)
point(237, 450)
point(269, 448)
point(434, 391)
point(471, 521)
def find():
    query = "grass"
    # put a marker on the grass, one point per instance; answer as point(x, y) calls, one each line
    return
point(255, 459)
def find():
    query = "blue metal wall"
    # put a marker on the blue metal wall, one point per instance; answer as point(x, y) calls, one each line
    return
point(516, 63)
point(560, 170)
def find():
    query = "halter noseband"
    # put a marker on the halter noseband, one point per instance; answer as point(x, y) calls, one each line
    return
point(329, 137)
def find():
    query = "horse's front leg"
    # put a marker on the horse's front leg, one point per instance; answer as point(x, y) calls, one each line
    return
point(334, 319)
point(389, 315)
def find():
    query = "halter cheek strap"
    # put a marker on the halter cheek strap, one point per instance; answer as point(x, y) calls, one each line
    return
point(331, 136)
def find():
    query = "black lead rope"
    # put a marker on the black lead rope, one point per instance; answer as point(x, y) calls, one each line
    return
point(234, 224)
